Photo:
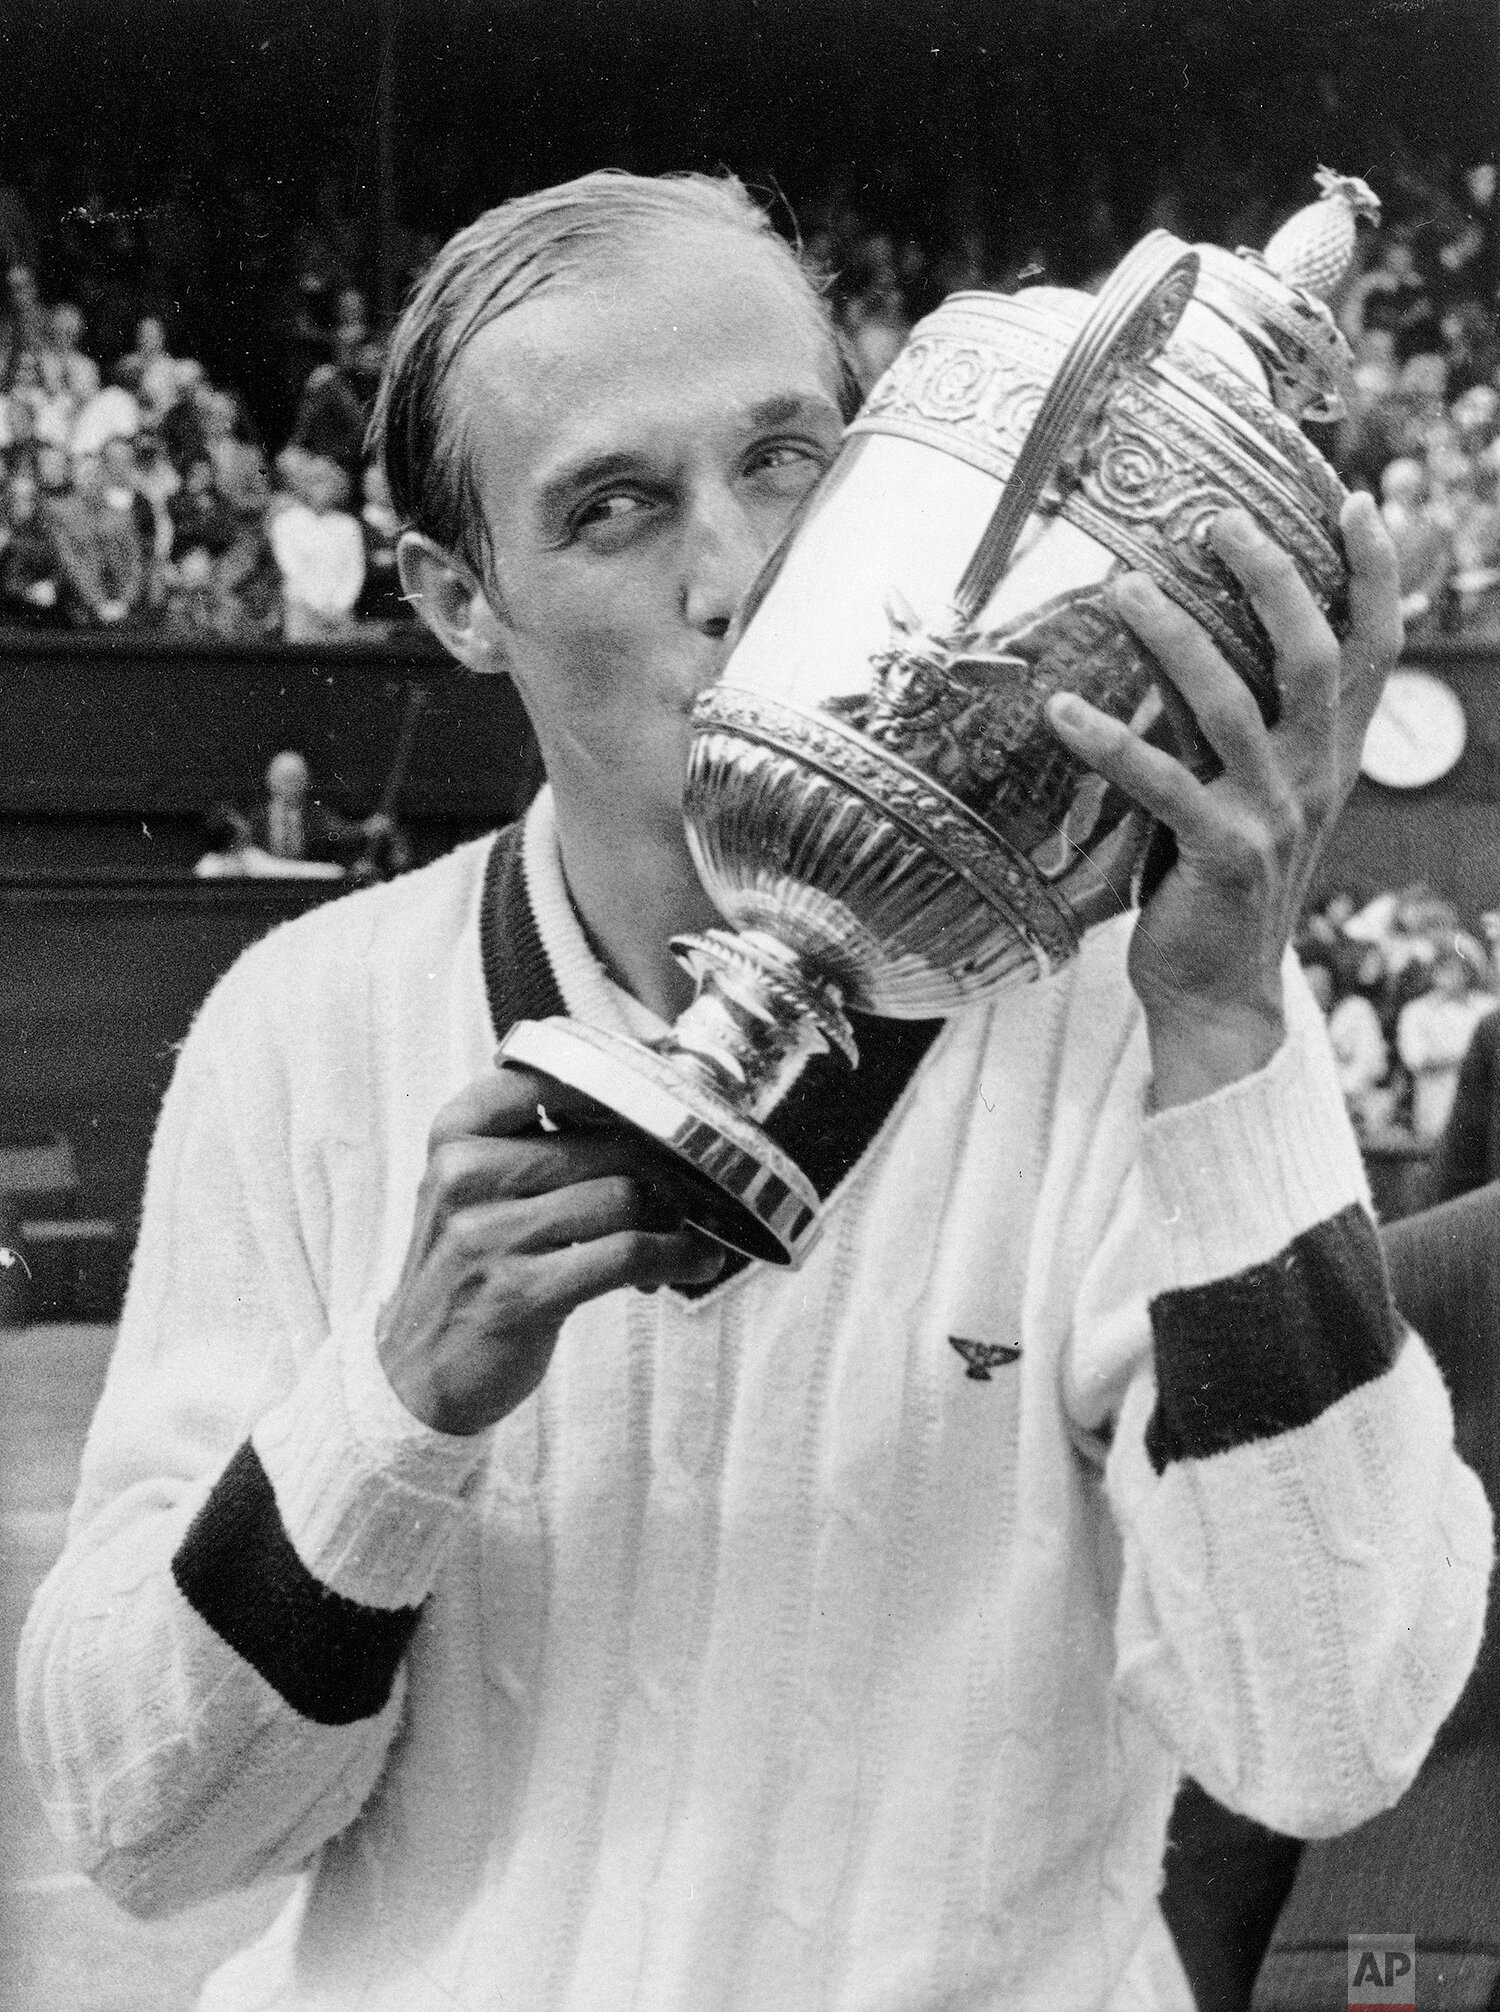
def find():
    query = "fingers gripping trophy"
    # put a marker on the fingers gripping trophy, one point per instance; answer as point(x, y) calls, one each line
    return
point(874, 799)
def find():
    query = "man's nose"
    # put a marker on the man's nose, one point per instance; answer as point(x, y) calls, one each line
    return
point(723, 553)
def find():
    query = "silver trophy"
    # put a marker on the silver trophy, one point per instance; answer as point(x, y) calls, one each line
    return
point(874, 799)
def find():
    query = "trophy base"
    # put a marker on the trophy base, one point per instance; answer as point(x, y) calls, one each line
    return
point(734, 1184)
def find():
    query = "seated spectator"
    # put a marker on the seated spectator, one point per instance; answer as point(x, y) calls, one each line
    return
point(293, 825)
point(25, 314)
point(1467, 1154)
point(152, 373)
point(30, 571)
point(122, 492)
point(226, 429)
point(158, 481)
point(1423, 548)
point(1476, 546)
point(54, 474)
point(1359, 1048)
point(233, 854)
point(1433, 1035)
point(381, 598)
point(114, 410)
point(182, 429)
point(201, 519)
point(357, 355)
point(319, 549)
point(1469, 347)
point(100, 549)
point(330, 421)
point(191, 601)
point(204, 530)
point(52, 412)
point(63, 359)
point(18, 435)
point(246, 578)
point(1392, 295)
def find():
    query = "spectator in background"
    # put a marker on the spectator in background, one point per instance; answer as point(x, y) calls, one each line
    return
point(114, 410)
point(19, 435)
point(319, 548)
point(1469, 347)
point(247, 580)
point(30, 571)
point(1359, 1049)
point(1433, 1035)
point(201, 520)
point(292, 824)
point(63, 359)
point(381, 598)
point(1467, 1154)
point(1392, 295)
point(233, 854)
point(1476, 545)
point(54, 474)
point(203, 530)
point(330, 424)
point(158, 481)
point(182, 429)
point(122, 493)
point(26, 315)
point(872, 317)
point(149, 371)
point(1423, 546)
point(103, 562)
point(357, 355)
point(52, 412)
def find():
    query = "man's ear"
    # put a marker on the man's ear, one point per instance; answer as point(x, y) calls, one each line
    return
point(450, 600)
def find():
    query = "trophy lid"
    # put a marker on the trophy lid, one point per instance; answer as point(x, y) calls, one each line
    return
point(1277, 300)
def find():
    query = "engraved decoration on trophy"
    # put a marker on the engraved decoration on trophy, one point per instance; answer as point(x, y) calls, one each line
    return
point(874, 799)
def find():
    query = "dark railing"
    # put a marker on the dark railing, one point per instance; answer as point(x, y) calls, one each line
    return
point(111, 749)
point(110, 727)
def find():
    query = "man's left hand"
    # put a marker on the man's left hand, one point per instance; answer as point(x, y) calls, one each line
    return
point(1207, 952)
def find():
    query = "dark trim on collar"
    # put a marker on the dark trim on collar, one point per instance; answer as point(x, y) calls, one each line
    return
point(518, 980)
point(829, 1118)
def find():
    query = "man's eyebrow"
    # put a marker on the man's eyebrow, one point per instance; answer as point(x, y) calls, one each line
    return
point(586, 469)
point(787, 407)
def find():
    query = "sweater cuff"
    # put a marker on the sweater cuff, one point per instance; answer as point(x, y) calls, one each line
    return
point(366, 1493)
point(1233, 1178)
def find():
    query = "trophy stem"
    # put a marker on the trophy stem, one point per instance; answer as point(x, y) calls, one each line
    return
point(699, 1092)
point(758, 1014)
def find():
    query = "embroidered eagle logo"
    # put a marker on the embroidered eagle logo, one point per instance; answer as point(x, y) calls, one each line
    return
point(983, 1356)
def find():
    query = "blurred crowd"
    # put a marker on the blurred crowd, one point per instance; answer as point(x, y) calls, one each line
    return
point(1404, 987)
point(142, 496)
point(141, 490)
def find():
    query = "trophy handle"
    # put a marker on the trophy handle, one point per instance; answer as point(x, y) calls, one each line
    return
point(1130, 321)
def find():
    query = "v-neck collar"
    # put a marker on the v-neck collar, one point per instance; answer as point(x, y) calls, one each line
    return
point(827, 1120)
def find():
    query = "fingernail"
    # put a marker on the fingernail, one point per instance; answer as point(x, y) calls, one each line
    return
point(1235, 529)
point(1065, 709)
point(1134, 592)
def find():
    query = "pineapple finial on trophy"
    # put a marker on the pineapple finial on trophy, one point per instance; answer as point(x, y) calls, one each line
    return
point(1315, 248)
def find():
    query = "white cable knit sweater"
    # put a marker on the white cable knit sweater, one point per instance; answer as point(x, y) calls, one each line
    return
point(764, 1659)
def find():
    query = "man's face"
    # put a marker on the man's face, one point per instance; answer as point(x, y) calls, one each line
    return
point(639, 441)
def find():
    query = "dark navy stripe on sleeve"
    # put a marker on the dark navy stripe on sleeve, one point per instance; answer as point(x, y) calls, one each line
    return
point(332, 1659)
point(1271, 1348)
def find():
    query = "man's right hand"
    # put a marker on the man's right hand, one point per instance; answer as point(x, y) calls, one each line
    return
point(515, 1227)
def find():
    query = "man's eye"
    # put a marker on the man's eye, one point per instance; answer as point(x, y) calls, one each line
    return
point(788, 465)
point(611, 508)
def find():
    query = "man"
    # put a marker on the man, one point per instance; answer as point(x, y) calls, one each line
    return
point(605, 1624)
point(1467, 1153)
